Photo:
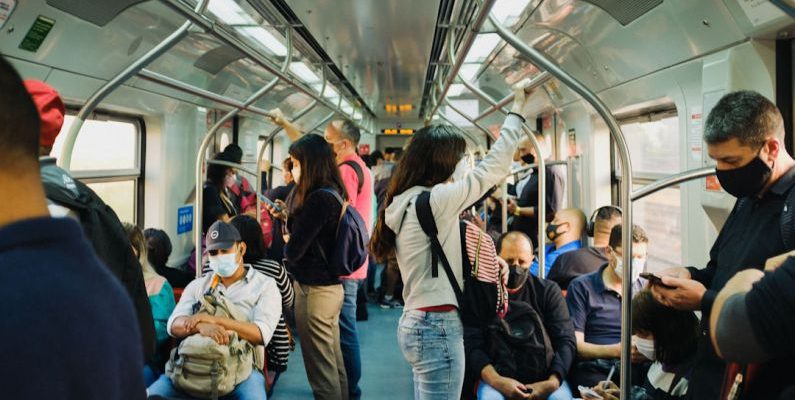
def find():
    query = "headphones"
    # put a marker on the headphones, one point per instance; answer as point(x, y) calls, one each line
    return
point(592, 221)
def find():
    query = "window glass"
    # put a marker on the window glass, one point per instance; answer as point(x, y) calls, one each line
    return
point(119, 195)
point(653, 146)
point(102, 145)
point(660, 215)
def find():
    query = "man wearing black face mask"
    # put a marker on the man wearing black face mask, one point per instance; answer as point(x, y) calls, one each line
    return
point(745, 136)
point(546, 299)
point(524, 208)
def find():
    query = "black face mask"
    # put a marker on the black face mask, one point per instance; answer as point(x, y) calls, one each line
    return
point(529, 159)
point(552, 231)
point(745, 181)
point(517, 276)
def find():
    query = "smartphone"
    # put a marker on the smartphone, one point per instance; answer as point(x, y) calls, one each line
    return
point(655, 280)
point(269, 202)
point(589, 394)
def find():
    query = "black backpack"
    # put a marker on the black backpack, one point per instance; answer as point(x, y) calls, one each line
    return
point(106, 234)
point(359, 173)
point(518, 344)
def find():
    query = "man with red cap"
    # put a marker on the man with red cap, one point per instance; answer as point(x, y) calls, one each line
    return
point(69, 197)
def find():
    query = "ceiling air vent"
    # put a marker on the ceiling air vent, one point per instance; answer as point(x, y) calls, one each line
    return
point(91, 11)
point(625, 11)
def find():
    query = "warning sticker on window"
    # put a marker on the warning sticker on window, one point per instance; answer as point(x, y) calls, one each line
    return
point(6, 8)
point(38, 32)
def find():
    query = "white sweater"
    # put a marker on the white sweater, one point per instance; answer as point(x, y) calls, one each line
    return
point(448, 200)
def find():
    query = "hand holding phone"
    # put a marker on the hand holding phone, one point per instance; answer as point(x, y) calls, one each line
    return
point(655, 280)
point(589, 394)
point(269, 202)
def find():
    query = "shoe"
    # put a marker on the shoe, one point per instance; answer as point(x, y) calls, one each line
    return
point(391, 303)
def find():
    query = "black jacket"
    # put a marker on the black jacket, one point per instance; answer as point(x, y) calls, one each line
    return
point(314, 225)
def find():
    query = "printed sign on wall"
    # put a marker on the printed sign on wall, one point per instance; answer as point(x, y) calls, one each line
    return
point(184, 219)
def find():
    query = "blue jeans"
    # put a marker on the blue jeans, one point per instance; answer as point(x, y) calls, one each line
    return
point(433, 344)
point(486, 392)
point(251, 388)
point(349, 338)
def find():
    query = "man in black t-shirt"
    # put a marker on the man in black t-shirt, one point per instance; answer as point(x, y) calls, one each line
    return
point(70, 328)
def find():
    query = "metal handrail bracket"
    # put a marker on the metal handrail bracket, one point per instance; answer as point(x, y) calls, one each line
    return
point(672, 180)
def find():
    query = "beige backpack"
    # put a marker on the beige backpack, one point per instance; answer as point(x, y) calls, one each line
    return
point(204, 369)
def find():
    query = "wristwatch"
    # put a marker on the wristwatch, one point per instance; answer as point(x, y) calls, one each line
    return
point(517, 212)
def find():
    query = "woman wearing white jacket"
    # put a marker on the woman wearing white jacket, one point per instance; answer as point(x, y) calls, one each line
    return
point(430, 332)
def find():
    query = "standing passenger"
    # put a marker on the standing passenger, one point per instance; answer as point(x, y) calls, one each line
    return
point(343, 137)
point(745, 136)
point(69, 327)
point(276, 249)
point(430, 331)
point(312, 218)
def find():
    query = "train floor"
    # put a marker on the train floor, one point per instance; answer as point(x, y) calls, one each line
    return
point(385, 374)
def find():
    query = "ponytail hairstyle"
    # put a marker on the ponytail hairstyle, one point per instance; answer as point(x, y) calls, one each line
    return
point(430, 159)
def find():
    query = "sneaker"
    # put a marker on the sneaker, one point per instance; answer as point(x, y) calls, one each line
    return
point(391, 303)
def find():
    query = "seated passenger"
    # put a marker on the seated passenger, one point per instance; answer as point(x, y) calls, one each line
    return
point(161, 297)
point(158, 249)
point(667, 336)
point(252, 294)
point(69, 326)
point(565, 232)
point(500, 377)
point(594, 302)
point(752, 322)
point(584, 261)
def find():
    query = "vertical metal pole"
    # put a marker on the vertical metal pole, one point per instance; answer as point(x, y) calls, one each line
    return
point(541, 60)
point(569, 181)
point(65, 159)
point(197, 211)
point(504, 208)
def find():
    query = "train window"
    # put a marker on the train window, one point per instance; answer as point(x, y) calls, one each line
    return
point(653, 141)
point(107, 157)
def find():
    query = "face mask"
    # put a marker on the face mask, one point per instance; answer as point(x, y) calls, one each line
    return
point(644, 346)
point(296, 173)
point(552, 231)
point(230, 180)
point(637, 267)
point(529, 159)
point(745, 181)
point(462, 169)
point(225, 265)
point(517, 276)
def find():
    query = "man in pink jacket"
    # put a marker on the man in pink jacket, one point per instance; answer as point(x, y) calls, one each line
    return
point(343, 137)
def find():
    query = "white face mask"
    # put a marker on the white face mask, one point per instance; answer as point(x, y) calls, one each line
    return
point(296, 173)
point(225, 265)
point(637, 267)
point(644, 346)
point(462, 169)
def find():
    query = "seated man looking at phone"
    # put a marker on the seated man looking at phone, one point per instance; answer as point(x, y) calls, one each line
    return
point(594, 302)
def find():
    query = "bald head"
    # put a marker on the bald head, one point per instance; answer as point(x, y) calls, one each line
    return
point(516, 249)
point(570, 223)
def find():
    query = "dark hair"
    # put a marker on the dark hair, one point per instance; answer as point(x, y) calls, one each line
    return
point(251, 233)
point(607, 213)
point(287, 164)
point(216, 173)
point(136, 237)
point(430, 159)
point(745, 115)
point(513, 235)
point(235, 152)
point(158, 247)
point(19, 122)
point(318, 169)
point(675, 332)
point(348, 130)
point(638, 236)
point(375, 156)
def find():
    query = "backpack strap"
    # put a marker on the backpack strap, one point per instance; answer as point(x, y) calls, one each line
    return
point(428, 224)
point(359, 173)
point(344, 205)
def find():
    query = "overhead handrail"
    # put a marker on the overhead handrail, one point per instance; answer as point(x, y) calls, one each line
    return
point(65, 159)
point(321, 122)
point(466, 43)
point(540, 60)
point(451, 123)
point(535, 82)
point(466, 117)
point(233, 165)
point(672, 180)
point(201, 155)
point(535, 165)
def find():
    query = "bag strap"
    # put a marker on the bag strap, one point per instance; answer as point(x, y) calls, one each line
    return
point(344, 205)
point(359, 173)
point(428, 224)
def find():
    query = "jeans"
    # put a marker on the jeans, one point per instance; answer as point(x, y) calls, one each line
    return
point(433, 344)
point(486, 392)
point(349, 338)
point(251, 388)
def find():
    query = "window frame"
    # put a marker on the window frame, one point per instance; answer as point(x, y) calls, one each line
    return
point(120, 175)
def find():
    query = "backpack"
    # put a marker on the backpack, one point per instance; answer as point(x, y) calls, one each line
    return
point(518, 344)
point(103, 229)
point(350, 251)
point(484, 295)
point(204, 369)
point(359, 173)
